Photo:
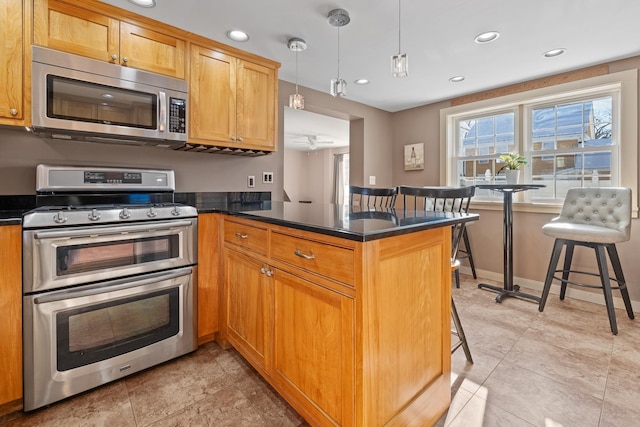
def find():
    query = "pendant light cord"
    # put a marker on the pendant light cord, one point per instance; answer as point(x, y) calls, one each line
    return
point(296, 72)
point(338, 53)
point(399, 14)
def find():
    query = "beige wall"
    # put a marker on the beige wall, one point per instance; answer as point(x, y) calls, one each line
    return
point(532, 249)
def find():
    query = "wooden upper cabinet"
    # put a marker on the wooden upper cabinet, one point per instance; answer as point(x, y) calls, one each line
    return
point(149, 50)
point(212, 96)
point(12, 70)
point(84, 32)
point(255, 104)
point(232, 101)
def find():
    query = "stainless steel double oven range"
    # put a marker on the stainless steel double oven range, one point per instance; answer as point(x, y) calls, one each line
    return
point(108, 278)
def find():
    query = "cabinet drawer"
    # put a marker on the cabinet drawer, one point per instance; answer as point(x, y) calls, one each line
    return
point(246, 236)
point(335, 262)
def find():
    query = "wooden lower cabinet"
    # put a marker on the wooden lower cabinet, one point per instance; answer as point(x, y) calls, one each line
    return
point(208, 275)
point(373, 351)
point(314, 343)
point(249, 312)
point(11, 309)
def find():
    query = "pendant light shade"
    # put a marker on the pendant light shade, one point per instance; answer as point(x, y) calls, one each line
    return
point(296, 101)
point(399, 62)
point(338, 18)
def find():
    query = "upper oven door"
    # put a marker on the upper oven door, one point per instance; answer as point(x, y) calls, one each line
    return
point(58, 258)
point(81, 95)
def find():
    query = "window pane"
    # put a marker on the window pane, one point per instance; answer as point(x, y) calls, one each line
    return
point(576, 128)
point(480, 141)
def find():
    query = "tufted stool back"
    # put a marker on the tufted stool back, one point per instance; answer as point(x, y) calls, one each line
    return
point(598, 215)
point(596, 218)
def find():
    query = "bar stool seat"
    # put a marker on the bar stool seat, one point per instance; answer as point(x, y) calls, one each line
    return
point(597, 218)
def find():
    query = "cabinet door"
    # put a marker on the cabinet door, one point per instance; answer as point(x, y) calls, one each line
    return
point(256, 105)
point(212, 96)
point(76, 30)
point(11, 309)
point(11, 61)
point(208, 275)
point(152, 51)
point(249, 310)
point(314, 348)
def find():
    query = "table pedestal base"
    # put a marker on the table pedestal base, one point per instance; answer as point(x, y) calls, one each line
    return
point(503, 293)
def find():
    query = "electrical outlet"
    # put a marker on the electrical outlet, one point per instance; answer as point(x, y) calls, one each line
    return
point(251, 181)
point(372, 180)
point(267, 177)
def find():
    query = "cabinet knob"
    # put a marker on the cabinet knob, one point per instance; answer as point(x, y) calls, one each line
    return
point(114, 56)
point(242, 235)
point(240, 139)
point(269, 273)
point(125, 59)
point(13, 112)
point(233, 138)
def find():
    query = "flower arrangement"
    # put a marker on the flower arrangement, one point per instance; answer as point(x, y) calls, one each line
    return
point(512, 161)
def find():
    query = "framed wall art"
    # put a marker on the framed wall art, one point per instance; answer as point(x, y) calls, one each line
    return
point(414, 157)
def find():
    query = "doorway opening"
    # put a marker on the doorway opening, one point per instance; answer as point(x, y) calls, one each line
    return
point(311, 143)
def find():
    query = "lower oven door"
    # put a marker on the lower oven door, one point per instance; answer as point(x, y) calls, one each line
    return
point(77, 339)
point(58, 258)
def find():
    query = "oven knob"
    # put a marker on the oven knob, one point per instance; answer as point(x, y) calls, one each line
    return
point(125, 214)
point(175, 211)
point(94, 215)
point(152, 212)
point(59, 218)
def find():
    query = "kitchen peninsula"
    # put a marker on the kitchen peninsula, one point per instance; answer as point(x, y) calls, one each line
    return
point(345, 312)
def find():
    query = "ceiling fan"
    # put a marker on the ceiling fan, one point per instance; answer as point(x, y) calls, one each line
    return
point(312, 141)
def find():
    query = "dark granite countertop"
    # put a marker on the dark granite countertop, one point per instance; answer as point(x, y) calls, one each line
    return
point(335, 220)
point(351, 222)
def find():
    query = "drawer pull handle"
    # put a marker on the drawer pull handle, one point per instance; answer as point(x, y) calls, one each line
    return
point(242, 236)
point(303, 255)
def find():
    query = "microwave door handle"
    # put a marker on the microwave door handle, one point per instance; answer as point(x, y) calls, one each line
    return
point(162, 99)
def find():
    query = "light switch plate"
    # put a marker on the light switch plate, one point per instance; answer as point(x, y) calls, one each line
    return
point(251, 181)
point(372, 180)
point(267, 177)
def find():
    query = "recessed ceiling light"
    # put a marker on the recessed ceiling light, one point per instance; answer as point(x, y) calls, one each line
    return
point(107, 95)
point(554, 52)
point(487, 37)
point(362, 82)
point(144, 3)
point(456, 79)
point(238, 35)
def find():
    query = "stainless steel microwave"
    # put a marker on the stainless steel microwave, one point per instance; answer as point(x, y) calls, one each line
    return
point(74, 97)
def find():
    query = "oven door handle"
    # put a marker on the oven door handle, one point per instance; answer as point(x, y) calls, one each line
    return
point(115, 285)
point(159, 226)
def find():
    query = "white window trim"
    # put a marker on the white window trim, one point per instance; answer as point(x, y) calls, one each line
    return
point(627, 124)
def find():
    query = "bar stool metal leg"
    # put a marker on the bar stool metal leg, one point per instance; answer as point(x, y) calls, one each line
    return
point(606, 287)
point(553, 263)
point(459, 332)
point(622, 284)
point(568, 258)
point(469, 254)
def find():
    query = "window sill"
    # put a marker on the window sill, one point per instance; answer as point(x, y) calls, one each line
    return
point(543, 208)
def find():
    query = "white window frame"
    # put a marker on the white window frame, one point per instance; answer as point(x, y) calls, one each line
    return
point(625, 83)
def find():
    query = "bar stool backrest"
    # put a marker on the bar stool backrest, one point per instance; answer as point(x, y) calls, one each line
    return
point(441, 199)
point(372, 197)
point(608, 207)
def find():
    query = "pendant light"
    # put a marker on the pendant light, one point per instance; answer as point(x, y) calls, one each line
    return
point(338, 18)
point(399, 62)
point(296, 101)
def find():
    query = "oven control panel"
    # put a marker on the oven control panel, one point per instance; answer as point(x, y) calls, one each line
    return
point(61, 216)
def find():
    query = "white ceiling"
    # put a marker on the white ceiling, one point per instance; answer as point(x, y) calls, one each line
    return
point(438, 36)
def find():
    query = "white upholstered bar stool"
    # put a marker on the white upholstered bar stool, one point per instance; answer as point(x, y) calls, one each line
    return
point(597, 218)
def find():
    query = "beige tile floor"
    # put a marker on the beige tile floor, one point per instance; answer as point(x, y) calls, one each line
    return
point(562, 367)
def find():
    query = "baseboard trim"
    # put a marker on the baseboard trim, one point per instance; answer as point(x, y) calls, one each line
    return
point(579, 294)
